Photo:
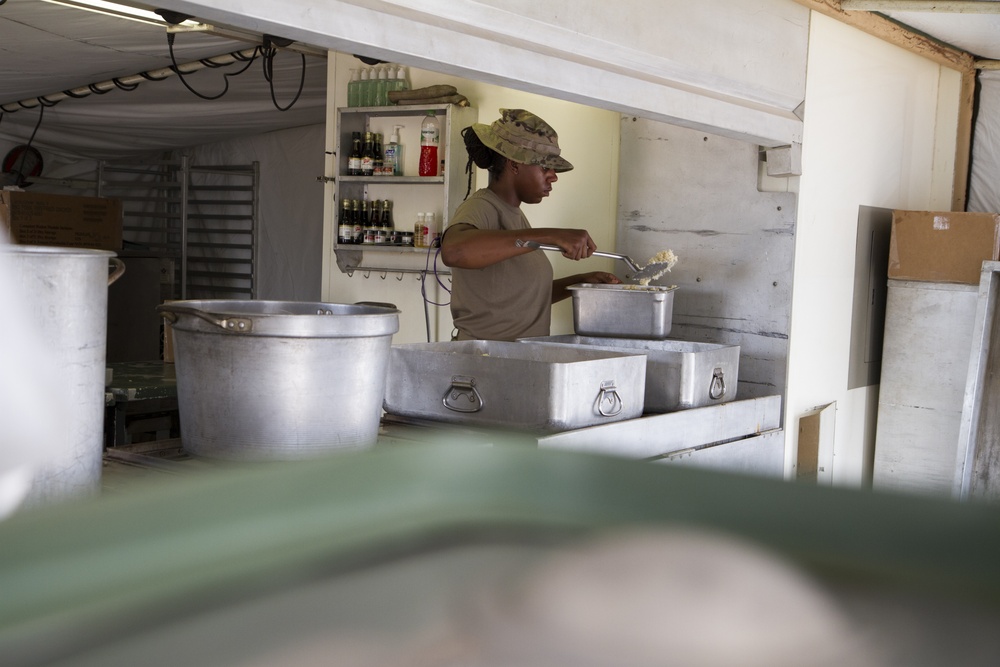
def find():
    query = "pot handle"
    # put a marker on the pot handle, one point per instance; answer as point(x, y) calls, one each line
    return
point(117, 271)
point(717, 389)
point(238, 324)
point(610, 393)
point(462, 395)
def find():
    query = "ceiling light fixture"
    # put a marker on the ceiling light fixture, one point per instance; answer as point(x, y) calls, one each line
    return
point(119, 11)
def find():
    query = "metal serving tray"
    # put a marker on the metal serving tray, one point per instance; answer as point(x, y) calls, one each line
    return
point(679, 374)
point(631, 311)
point(522, 386)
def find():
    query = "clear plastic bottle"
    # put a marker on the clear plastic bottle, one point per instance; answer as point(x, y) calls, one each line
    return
point(393, 154)
point(418, 231)
point(364, 89)
point(430, 137)
point(401, 82)
point(382, 87)
point(354, 90)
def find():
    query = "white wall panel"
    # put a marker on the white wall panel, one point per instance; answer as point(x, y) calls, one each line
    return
point(675, 62)
point(874, 126)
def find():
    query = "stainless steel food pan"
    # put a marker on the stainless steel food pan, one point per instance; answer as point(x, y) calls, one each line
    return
point(630, 311)
point(679, 374)
point(522, 386)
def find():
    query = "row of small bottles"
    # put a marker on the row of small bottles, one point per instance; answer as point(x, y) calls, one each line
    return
point(372, 86)
point(361, 223)
point(368, 224)
point(368, 159)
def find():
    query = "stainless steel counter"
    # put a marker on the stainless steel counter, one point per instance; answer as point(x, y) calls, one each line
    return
point(740, 436)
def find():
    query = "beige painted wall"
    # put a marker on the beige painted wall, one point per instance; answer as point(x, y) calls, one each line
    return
point(584, 197)
point(880, 124)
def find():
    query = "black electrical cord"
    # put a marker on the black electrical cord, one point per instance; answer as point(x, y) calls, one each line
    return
point(180, 75)
point(269, 53)
point(24, 155)
point(124, 86)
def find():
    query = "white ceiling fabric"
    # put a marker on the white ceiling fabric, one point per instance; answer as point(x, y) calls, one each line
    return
point(167, 115)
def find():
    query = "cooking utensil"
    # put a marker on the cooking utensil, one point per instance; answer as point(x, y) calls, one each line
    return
point(679, 374)
point(279, 380)
point(652, 270)
point(622, 311)
point(65, 294)
point(520, 386)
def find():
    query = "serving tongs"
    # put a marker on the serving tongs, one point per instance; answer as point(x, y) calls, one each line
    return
point(651, 270)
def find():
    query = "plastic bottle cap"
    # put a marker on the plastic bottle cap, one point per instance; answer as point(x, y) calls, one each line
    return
point(395, 134)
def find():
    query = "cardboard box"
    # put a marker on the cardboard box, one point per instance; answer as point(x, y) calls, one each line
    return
point(942, 247)
point(62, 220)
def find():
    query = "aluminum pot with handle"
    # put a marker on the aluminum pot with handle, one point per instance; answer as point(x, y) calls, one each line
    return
point(60, 333)
point(279, 380)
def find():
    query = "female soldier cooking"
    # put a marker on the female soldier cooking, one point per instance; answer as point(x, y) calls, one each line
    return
point(500, 290)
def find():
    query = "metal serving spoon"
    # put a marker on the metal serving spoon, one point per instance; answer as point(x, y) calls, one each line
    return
point(651, 271)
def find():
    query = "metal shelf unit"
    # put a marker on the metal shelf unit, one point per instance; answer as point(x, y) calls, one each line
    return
point(203, 218)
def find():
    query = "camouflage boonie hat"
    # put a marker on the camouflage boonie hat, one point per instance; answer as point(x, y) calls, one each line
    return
point(523, 137)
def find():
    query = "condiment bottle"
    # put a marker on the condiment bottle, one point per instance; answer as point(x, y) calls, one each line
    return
point(368, 156)
point(354, 158)
point(378, 168)
point(430, 137)
point(359, 231)
point(345, 227)
point(387, 224)
point(418, 231)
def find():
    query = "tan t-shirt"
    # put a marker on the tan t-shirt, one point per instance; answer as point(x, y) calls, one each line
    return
point(507, 300)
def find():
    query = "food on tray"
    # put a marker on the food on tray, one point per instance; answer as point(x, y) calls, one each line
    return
point(665, 257)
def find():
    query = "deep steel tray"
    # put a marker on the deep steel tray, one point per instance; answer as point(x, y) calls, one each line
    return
point(679, 374)
point(523, 386)
point(631, 311)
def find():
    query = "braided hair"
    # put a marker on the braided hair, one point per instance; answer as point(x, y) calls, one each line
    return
point(482, 155)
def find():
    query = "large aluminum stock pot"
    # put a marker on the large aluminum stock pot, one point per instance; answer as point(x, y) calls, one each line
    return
point(63, 293)
point(279, 380)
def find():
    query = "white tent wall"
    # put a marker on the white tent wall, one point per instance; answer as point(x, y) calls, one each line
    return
point(984, 178)
point(879, 126)
point(290, 233)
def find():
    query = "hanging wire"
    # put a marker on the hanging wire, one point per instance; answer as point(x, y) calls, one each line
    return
point(20, 168)
point(269, 53)
point(207, 63)
point(423, 280)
